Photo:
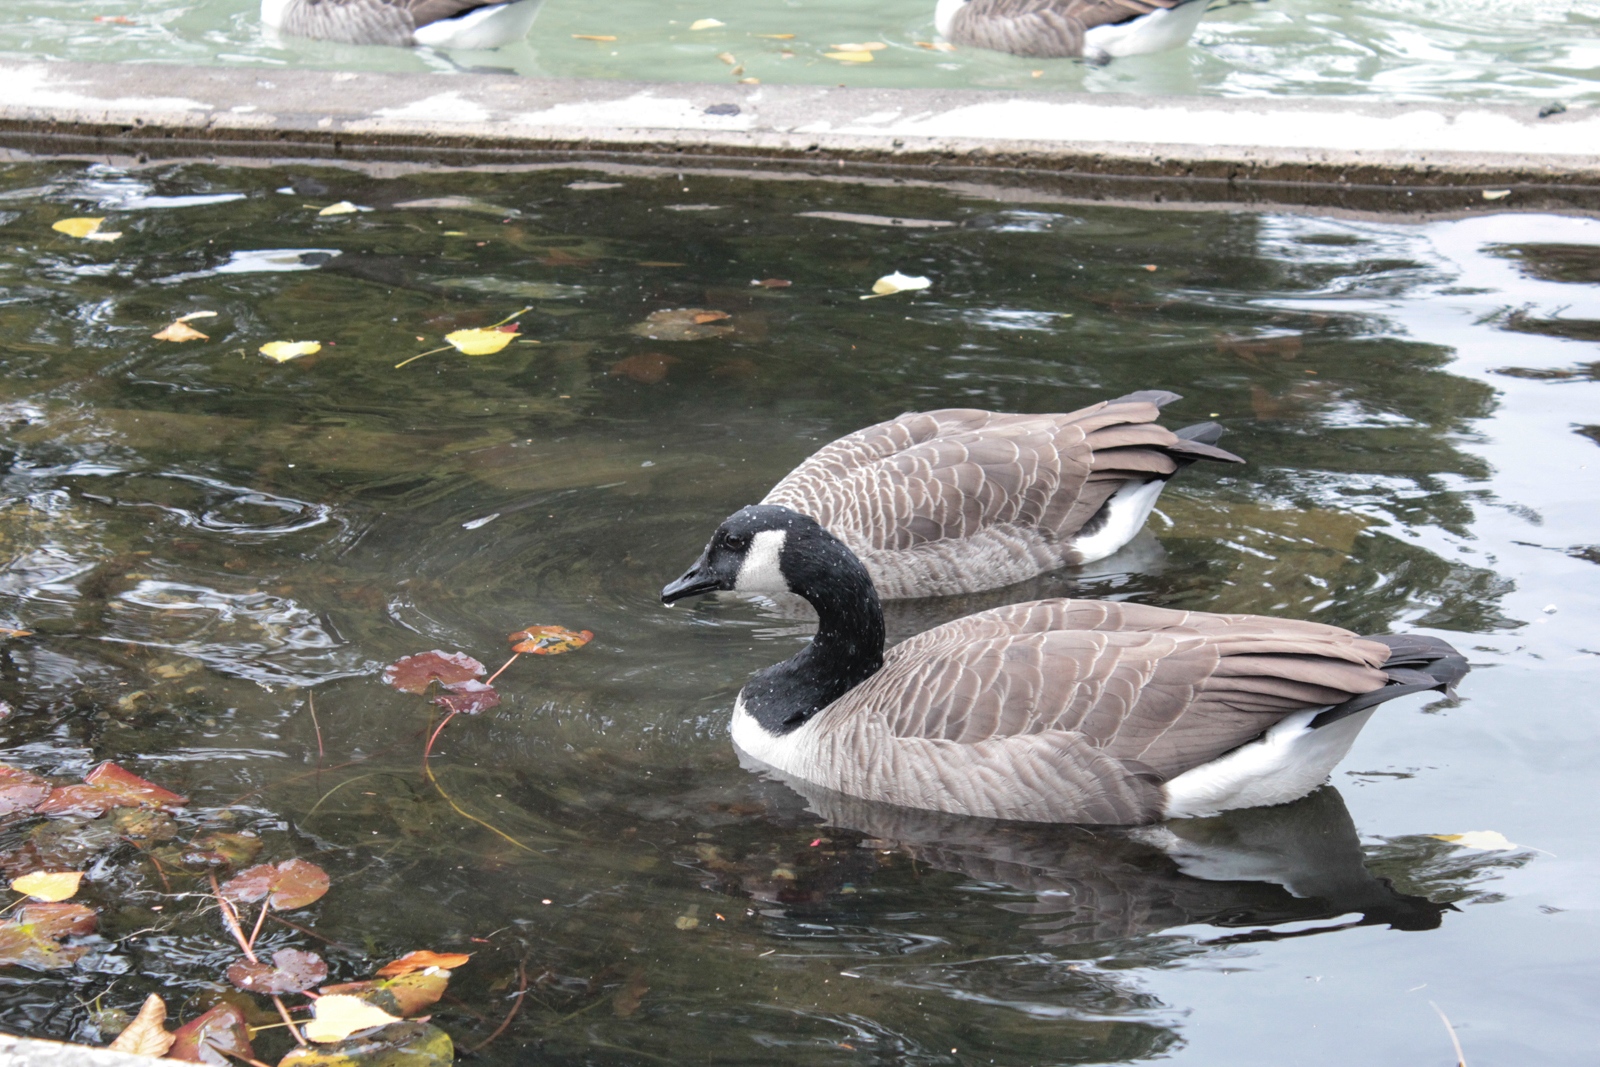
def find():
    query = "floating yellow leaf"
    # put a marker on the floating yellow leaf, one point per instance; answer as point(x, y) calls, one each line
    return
point(339, 1015)
point(593, 37)
point(180, 331)
point(343, 207)
point(284, 351)
point(706, 24)
point(1488, 840)
point(80, 228)
point(936, 46)
point(850, 57)
point(147, 1034)
point(777, 36)
point(49, 886)
point(481, 342)
point(6, 631)
point(727, 57)
point(898, 283)
point(870, 46)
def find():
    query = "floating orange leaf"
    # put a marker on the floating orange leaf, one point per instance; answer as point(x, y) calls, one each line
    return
point(549, 640)
point(107, 786)
point(406, 994)
point(413, 674)
point(289, 885)
point(421, 960)
point(180, 331)
point(147, 1034)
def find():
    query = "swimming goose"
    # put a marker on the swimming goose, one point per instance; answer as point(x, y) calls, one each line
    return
point(958, 501)
point(432, 23)
point(1099, 30)
point(1050, 711)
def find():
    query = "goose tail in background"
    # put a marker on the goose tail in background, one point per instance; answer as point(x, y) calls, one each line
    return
point(1416, 664)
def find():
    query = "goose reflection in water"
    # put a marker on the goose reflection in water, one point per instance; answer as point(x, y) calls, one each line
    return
point(1255, 868)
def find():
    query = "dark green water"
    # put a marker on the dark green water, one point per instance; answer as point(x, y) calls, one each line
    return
point(201, 538)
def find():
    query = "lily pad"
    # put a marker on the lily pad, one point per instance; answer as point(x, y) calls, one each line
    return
point(107, 786)
point(413, 674)
point(289, 885)
point(291, 971)
point(468, 698)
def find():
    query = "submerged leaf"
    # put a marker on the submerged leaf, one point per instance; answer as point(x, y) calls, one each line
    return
point(284, 351)
point(481, 342)
point(549, 640)
point(33, 937)
point(421, 960)
point(406, 994)
point(20, 791)
point(49, 886)
point(647, 368)
point(291, 971)
point(468, 697)
point(413, 674)
point(147, 1034)
point(214, 1037)
point(180, 331)
point(682, 324)
point(339, 1015)
point(291, 884)
point(108, 786)
point(404, 1044)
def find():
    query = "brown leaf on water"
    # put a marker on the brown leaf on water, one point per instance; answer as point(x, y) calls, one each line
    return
point(147, 1034)
point(549, 640)
point(647, 368)
point(413, 674)
point(626, 1000)
point(682, 324)
point(180, 331)
point(468, 698)
point(107, 786)
point(33, 937)
point(291, 971)
point(214, 1037)
point(406, 994)
point(421, 960)
point(21, 791)
point(289, 885)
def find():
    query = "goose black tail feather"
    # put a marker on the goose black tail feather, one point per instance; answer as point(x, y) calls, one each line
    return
point(1200, 442)
point(1416, 664)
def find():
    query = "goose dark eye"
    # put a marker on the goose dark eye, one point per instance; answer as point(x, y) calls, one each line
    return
point(736, 540)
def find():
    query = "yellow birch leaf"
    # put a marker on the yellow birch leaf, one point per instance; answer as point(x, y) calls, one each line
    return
point(343, 207)
point(49, 886)
point(593, 37)
point(777, 36)
point(146, 1035)
point(728, 58)
point(79, 228)
point(706, 24)
point(339, 1015)
point(850, 57)
point(480, 342)
point(936, 46)
point(181, 331)
point(870, 46)
point(284, 351)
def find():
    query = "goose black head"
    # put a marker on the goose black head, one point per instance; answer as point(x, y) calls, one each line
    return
point(755, 550)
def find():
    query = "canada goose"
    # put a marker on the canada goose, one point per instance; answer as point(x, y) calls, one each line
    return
point(958, 501)
point(1098, 30)
point(1050, 711)
point(431, 23)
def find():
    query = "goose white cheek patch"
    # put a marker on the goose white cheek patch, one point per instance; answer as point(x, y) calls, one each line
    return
point(762, 569)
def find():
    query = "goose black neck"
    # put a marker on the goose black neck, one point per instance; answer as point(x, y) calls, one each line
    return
point(848, 647)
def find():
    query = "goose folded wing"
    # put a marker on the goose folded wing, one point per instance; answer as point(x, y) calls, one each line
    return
point(1044, 28)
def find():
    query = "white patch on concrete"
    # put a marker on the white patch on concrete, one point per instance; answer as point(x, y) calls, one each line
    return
point(762, 569)
point(642, 110)
point(1126, 512)
point(39, 86)
point(441, 107)
point(1286, 763)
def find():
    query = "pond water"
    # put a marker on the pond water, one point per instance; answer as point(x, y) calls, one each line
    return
point(203, 542)
point(1507, 51)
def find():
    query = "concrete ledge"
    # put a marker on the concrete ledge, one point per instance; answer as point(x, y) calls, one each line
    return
point(1410, 158)
point(26, 1052)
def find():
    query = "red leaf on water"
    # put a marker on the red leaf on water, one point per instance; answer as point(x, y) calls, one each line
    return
point(549, 640)
point(291, 884)
point(510, 327)
point(291, 971)
point(20, 791)
point(468, 697)
point(108, 786)
point(413, 674)
point(421, 960)
point(220, 1031)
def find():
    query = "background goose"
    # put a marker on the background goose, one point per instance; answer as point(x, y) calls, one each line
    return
point(432, 23)
point(1051, 711)
point(958, 501)
point(1095, 29)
